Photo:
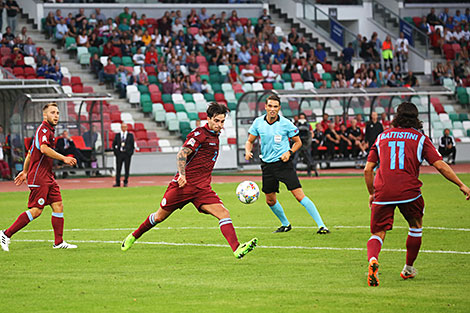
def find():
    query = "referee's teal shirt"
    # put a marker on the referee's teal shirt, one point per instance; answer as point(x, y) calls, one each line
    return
point(274, 137)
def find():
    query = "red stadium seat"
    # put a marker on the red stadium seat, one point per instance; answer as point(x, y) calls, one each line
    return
point(243, 20)
point(152, 135)
point(78, 88)
point(76, 80)
point(88, 89)
point(267, 86)
point(150, 70)
point(254, 59)
point(193, 30)
point(116, 117)
point(17, 71)
point(66, 81)
point(80, 143)
point(169, 107)
point(277, 68)
point(202, 115)
point(5, 51)
point(141, 134)
point(296, 77)
point(154, 88)
point(30, 72)
point(130, 128)
point(139, 126)
point(219, 97)
point(201, 59)
point(142, 144)
point(156, 97)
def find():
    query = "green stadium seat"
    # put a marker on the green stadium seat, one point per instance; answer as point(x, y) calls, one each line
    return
point(217, 88)
point(166, 98)
point(286, 77)
point(193, 116)
point(213, 69)
point(94, 50)
point(127, 61)
point(179, 107)
point(454, 117)
point(70, 44)
point(116, 60)
point(209, 97)
point(463, 117)
point(278, 86)
point(153, 79)
point(188, 97)
point(143, 89)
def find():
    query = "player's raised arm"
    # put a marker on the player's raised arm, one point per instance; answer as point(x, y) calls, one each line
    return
point(448, 173)
point(181, 158)
point(23, 175)
point(249, 146)
point(48, 151)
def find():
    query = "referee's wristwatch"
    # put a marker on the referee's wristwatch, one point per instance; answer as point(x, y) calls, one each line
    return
point(291, 152)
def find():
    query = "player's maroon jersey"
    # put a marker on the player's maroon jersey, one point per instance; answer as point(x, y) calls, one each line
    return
point(40, 165)
point(399, 152)
point(205, 146)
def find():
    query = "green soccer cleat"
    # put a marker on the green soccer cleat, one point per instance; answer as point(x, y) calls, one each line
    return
point(128, 242)
point(244, 248)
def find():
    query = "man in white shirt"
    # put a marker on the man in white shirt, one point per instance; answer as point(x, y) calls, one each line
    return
point(285, 44)
point(163, 75)
point(402, 39)
point(177, 26)
point(139, 57)
point(200, 38)
point(247, 75)
point(123, 147)
point(268, 75)
point(233, 44)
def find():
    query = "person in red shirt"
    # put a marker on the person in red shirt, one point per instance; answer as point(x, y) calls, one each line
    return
point(44, 190)
point(151, 56)
point(399, 152)
point(192, 183)
point(325, 121)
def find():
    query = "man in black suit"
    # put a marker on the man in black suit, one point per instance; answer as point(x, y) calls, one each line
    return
point(123, 147)
point(66, 146)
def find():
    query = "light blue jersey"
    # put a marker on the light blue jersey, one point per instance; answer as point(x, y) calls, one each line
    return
point(274, 137)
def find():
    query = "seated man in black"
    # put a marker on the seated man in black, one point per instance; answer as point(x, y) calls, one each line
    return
point(355, 135)
point(317, 141)
point(66, 146)
point(331, 141)
point(344, 142)
point(447, 146)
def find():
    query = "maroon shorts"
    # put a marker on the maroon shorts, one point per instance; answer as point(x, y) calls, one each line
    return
point(44, 194)
point(382, 215)
point(176, 197)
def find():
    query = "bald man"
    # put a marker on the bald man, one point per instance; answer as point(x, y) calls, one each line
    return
point(123, 147)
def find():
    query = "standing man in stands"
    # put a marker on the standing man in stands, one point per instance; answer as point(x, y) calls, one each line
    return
point(447, 146)
point(123, 147)
point(44, 190)
point(12, 11)
point(373, 129)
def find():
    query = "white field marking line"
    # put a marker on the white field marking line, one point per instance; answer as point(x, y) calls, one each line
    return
point(237, 227)
point(163, 243)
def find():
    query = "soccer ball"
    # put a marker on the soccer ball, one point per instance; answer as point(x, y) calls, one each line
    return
point(247, 192)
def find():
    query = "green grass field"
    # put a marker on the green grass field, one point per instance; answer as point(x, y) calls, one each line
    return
point(175, 268)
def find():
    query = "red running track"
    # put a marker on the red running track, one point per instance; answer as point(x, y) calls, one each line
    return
point(136, 181)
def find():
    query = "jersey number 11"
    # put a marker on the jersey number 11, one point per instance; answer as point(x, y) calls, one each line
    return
point(393, 154)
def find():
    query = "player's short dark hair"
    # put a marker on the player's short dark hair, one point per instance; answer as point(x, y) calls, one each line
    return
point(407, 116)
point(302, 113)
point(274, 98)
point(216, 109)
point(50, 104)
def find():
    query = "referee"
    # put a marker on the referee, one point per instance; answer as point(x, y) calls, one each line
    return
point(276, 164)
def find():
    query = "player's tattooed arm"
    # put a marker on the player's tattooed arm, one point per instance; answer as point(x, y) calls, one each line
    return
point(181, 158)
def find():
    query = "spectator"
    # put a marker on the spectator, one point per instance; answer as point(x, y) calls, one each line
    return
point(2, 6)
point(17, 57)
point(151, 56)
point(285, 45)
point(265, 16)
point(95, 65)
point(402, 55)
point(384, 120)
point(108, 73)
point(459, 18)
point(139, 57)
point(293, 37)
point(320, 54)
point(244, 56)
point(373, 129)
point(4, 168)
point(123, 78)
point(247, 75)
point(347, 54)
point(447, 146)
point(61, 32)
point(444, 16)
point(142, 78)
point(9, 36)
point(82, 39)
point(206, 87)
point(432, 18)
point(332, 140)
point(268, 75)
point(411, 80)
point(424, 26)
point(29, 48)
point(325, 121)
point(12, 9)
point(387, 51)
point(99, 16)
point(50, 24)
point(164, 75)
point(125, 15)
point(66, 146)
point(317, 140)
point(41, 55)
point(358, 146)
point(356, 81)
point(345, 142)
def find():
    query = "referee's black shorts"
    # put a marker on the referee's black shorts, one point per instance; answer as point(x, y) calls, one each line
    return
point(276, 172)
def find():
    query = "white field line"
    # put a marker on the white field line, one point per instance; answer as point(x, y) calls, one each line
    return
point(261, 247)
point(240, 227)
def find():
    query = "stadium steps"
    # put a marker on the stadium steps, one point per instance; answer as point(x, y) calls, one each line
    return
point(393, 29)
point(281, 19)
point(89, 79)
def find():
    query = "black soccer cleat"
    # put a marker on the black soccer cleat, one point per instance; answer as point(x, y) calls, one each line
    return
point(283, 229)
point(323, 231)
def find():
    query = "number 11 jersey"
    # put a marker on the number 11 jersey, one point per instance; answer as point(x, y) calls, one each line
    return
point(399, 153)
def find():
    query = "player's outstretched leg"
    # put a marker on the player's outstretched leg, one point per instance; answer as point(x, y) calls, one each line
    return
point(21, 222)
point(413, 244)
point(277, 209)
point(152, 220)
point(374, 245)
point(245, 248)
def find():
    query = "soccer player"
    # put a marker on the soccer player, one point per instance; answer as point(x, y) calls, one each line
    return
point(37, 171)
point(276, 162)
point(192, 183)
point(398, 152)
